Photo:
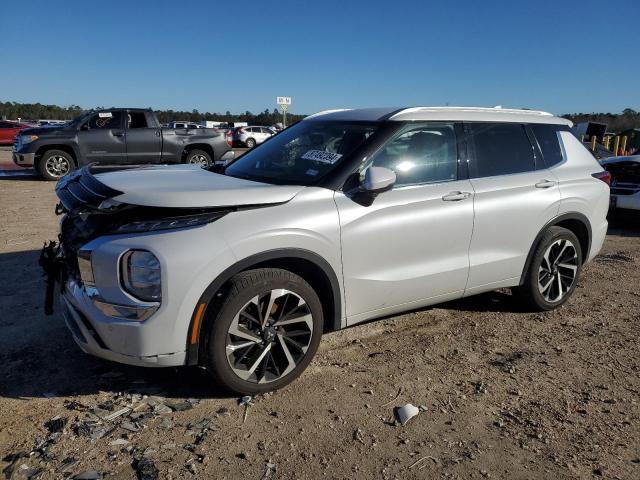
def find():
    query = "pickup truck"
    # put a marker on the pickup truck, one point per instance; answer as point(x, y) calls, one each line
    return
point(117, 137)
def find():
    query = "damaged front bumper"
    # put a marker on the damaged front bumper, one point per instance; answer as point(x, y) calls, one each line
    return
point(104, 336)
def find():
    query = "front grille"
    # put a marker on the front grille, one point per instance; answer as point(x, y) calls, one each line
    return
point(81, 188)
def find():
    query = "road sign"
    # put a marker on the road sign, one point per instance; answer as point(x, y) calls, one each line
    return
point(284, 103)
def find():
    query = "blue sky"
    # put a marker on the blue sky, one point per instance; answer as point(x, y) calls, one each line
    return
point(556, 55)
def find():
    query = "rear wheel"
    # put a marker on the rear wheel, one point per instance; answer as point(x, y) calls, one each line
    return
point(199, 157)
point(266, 331)
point(554, 270)
point(55, 164)
point(250, 143)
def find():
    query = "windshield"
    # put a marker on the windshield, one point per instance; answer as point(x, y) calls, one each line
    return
point(302, 154)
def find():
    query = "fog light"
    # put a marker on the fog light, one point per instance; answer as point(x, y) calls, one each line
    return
point(85, 268)
point(141, 275)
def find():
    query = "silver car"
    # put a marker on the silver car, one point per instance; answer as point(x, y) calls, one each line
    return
point(251, 136)
point(346, 216)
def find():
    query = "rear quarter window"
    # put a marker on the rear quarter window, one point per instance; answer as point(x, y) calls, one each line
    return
point(547, 138)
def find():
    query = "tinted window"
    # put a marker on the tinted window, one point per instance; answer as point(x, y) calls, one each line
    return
point(106, 120)
point(421, 154)
point(500, 149)
point(5, 125)
point(137, 120)
point(547, 138)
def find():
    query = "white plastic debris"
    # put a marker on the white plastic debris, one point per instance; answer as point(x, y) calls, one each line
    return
point(406, 413)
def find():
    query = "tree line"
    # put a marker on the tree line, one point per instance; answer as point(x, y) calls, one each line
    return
point(38, 111)
point(617, 122)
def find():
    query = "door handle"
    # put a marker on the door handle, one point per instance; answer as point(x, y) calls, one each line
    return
point(157, 133)
point(456, 196)
point(545, 184)
point(118, 134)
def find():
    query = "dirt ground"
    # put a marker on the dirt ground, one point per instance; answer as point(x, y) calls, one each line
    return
point(504, 393)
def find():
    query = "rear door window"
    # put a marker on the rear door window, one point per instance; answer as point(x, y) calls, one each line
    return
point(137, 120)
point(500, 149)
point(547, 138)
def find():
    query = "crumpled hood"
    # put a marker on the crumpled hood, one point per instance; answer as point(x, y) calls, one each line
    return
point(189, 186)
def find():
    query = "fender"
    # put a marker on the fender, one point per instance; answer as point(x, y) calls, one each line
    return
point(197, 319)
point(554, 221)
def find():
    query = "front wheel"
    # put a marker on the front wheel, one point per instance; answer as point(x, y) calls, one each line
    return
point(250, 143)
point(265, 332)
point(554, 270)
point(199, 157)
point(55, 164)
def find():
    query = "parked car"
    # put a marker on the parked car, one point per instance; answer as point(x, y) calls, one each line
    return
point(9, 130)
point(183, 125)
point(251, 136)
point(625, 181)
point(116, 136)
point(343, 217)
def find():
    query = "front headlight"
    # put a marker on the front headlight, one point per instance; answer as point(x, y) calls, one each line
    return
point(168, 223)
point(141, 275)
point(24, 139)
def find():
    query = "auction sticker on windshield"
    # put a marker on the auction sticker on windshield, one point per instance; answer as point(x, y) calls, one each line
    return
point(105, 115)
point(321, 156)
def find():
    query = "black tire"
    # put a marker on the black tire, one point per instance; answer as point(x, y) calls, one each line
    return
point(199, 157)
point(250, 143)
point(531, 291)
point(55, 164)
point(240, 291)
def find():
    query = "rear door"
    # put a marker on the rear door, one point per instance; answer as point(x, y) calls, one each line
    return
point(144, 138)
point(102, 139)
point(515, 195)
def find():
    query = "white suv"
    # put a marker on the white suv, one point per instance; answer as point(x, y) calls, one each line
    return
point(346, 216)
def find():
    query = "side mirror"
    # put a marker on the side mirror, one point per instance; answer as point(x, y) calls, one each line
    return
point(84, 127)
point(378, 180)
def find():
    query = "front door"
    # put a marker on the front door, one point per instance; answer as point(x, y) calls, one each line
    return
point(409, 247)
point(101, 139)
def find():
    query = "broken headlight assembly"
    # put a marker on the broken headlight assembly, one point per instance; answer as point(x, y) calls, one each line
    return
point(141, 276)
point(169, 223)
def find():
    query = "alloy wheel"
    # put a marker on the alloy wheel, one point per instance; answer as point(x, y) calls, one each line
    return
point(57, 166)
point(199, 159)
point(269, 336)
point(558, 270)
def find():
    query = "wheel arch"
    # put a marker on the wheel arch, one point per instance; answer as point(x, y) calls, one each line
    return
point(575, 222)
point(309, 265)
point(198, 146)
point(54, 146)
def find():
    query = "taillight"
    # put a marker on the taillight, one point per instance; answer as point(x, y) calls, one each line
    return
point(604, 176)
point(229, 138)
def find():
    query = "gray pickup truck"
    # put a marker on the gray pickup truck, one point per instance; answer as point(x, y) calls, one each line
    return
point(117, 137)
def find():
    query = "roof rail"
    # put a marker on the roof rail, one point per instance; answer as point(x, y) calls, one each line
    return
point(498, 109)
point(325, 112)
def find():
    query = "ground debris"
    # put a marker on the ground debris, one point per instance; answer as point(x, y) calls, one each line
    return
point(145, 469)
point(88, 475)
point(56, 424)
point(405, 413)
